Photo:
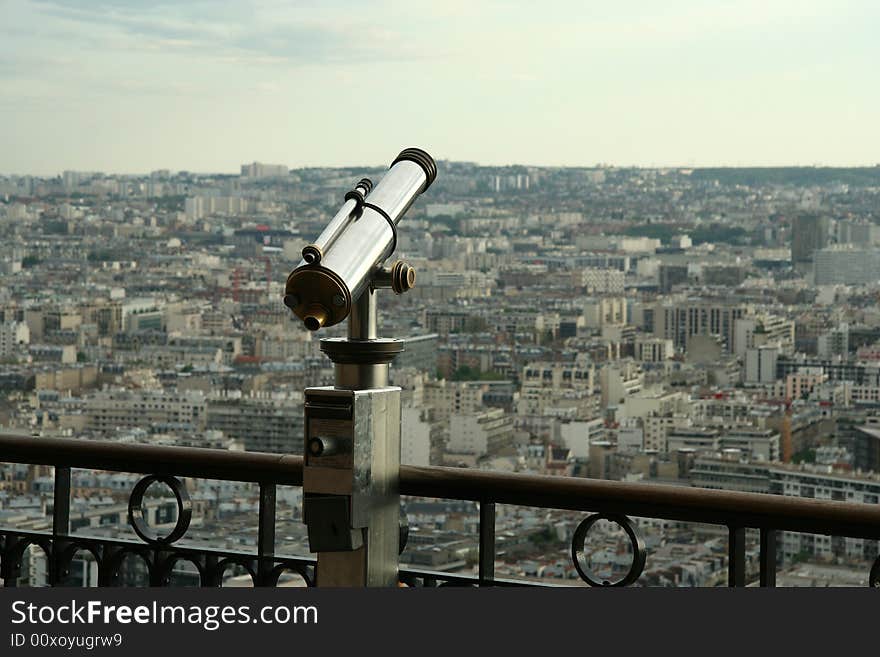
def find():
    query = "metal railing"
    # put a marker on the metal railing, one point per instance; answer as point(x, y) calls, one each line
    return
point(611, 500)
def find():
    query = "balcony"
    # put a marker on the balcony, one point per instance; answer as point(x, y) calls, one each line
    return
point(733, 513)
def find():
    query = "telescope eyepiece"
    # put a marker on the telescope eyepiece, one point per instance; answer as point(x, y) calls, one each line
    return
point(312, 254)
point(316, 316)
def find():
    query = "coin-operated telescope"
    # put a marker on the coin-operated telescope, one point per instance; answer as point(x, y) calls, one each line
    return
point(352, 429)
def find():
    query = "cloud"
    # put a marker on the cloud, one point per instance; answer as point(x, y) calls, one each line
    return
point(268, 32)
point(124, 83)
point(17, 65)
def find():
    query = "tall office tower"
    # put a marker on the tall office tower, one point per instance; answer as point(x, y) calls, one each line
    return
point(809, 233)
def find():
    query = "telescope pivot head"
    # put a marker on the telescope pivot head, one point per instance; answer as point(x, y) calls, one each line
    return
point(320, 297)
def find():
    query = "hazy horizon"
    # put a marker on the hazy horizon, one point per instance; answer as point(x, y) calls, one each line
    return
point(130, 86)
point(237, 171)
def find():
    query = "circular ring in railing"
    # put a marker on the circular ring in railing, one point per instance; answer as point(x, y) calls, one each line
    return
point(579, 556)
point(114, 560)
point(166, 568)
point(64, 558)
point(874, 577)
point(294, 569)
point(220, 570)
point(13, 553)
point(136, 510)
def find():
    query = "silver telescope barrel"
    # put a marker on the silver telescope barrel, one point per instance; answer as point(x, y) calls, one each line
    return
point(349, 211)
point(330, 278)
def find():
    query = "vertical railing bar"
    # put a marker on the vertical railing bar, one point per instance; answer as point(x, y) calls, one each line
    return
point(266, 532)
point(156, 578)
point(487, 543)
point(768, 556)
point(60, 522)
point(212, 576)
point(105, 573)
point(736, 557)
point(61, 502)
point(7, 569)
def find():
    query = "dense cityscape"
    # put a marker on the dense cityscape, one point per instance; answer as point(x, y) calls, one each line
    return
point(712, 328)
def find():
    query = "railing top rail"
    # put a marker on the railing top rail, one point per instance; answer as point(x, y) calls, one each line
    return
point(668, 502)
point(682, 503)
point(153, 459)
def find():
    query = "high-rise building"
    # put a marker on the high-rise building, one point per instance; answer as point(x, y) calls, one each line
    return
point(763, 330)
point(198, 207)
point(809, 233)
point(858, 232)
point(761, 364)
point(260, 170)
point(681, 319)
point(846, 265)
point(834, 343)
point(672, 275)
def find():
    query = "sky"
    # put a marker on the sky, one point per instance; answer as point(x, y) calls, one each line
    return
point(129, 86)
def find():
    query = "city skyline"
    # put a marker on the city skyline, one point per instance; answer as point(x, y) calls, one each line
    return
point(174, 172)
point(676, 330)
point(112, 85)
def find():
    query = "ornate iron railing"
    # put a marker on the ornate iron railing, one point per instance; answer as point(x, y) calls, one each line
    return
point(614, 501)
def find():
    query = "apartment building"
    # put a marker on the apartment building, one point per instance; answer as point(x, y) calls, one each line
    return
point(14, 337)
point(681, 319)
point(108, 410)
point(763, 330)
point(485, 433)
point(454, 397)
point(262, 422)
point(808, 481)
point(653, 350)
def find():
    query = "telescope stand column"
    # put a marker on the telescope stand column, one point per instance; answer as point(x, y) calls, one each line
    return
point(363, 319)
point(352, 459)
